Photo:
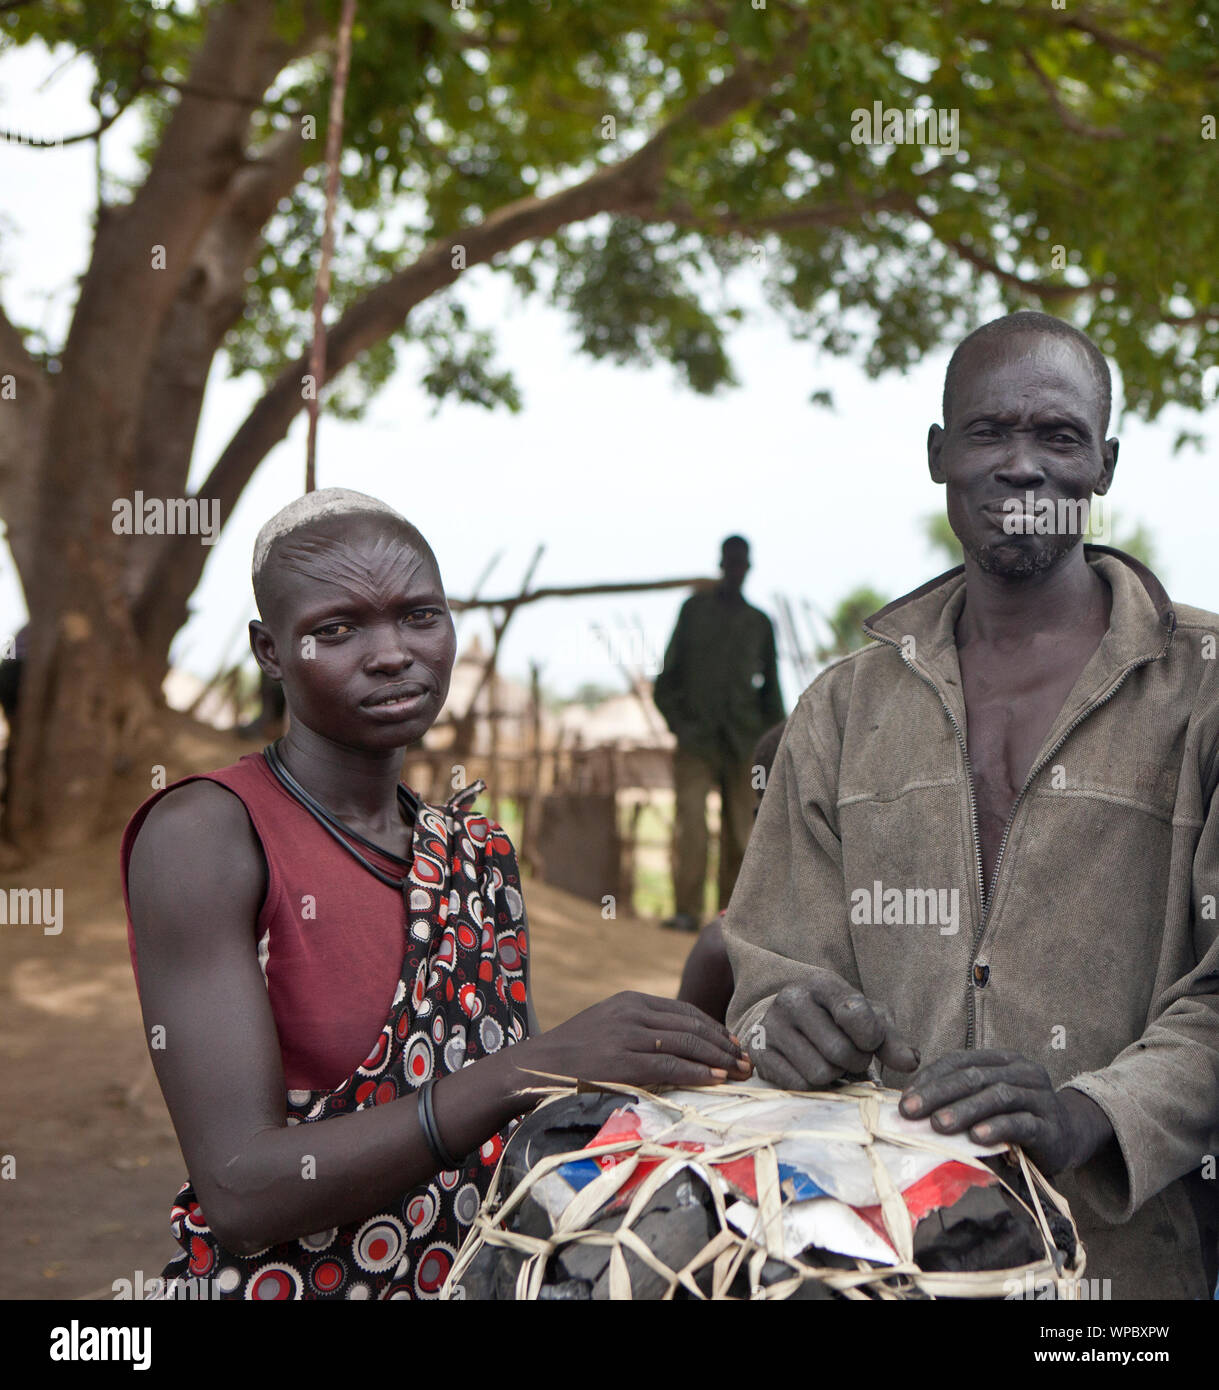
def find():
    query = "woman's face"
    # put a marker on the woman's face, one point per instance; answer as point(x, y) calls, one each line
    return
point(359, 632)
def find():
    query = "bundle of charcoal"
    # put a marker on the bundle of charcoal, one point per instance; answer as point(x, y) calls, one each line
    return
point(749, 1192)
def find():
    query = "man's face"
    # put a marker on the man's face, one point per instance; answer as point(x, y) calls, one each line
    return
point(1025, 427)
point(734, 565)
point(359, 632)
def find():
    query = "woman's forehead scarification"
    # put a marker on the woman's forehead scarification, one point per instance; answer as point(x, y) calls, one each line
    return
point(374, 570)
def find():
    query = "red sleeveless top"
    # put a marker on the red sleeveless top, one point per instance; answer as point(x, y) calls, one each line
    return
point(329, 935)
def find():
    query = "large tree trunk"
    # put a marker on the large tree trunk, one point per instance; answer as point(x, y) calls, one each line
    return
point(209, 302)
point(24, 394)
point(84, 708)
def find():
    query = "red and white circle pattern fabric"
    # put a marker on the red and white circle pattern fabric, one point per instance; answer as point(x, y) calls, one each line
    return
point(421, 1211)
point(202, 1257)
point(433, 1269)
point(274, 1281)
point(378, 1244)
point(455, 1049)
point(377, 1059)
point(460, 996)
point(467, 1203)
point(320, 1240)
point(327, 1277)
point(419, 1059)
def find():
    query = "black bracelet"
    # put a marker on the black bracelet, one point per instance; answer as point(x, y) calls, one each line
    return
point(431, 1134)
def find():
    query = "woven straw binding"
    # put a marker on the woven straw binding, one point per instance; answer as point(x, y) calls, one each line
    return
point(730, 1251)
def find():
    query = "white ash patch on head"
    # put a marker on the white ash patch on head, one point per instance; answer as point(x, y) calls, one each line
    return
point(314, 506)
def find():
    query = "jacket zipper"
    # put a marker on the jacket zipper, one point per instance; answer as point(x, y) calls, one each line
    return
point(984, 898)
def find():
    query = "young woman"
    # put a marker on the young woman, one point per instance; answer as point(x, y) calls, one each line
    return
point(313, 943)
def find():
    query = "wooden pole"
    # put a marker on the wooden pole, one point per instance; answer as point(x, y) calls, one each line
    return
point(493, 713)
point(531, 797)
point(321, 289)
point(578, 591)
point(463, 732)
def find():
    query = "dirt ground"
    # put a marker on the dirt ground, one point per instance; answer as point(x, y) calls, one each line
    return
point(94, 1159)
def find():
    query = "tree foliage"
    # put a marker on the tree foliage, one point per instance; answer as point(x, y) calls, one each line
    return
point(1076, 128)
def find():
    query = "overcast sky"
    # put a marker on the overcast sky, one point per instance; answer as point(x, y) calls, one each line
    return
point(621, 472)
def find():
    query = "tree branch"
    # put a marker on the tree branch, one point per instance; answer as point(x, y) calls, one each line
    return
point(1047, 290)
point(143, 253)
point(1043, 289)
point(195, 89)
point(60, 141)
point(1064, 113)
point(14, 356)
point(810, 214)
point(1114, 43)
point(628, 186)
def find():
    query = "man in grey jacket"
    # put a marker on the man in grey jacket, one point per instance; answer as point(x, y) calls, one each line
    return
point(988, 837)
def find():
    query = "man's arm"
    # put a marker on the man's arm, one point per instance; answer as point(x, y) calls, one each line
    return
point(788, 914)
point(1161, 1094)
point(770, 697)
point(797, 1006)
point(1132, 1127)
point(668, 691)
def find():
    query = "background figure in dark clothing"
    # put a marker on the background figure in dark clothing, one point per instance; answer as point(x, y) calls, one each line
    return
point(10, 680)
point(706, 980)
point(718, 691)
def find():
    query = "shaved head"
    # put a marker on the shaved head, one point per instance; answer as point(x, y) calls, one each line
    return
point(1028, 321)
point(311, 537)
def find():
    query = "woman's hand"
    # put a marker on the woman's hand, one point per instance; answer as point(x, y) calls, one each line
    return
point(636, 1039)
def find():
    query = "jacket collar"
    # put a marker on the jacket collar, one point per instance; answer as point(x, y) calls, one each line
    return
point(1141, 625)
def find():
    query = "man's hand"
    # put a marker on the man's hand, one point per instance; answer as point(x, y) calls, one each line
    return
point(816, 1032)
point(1002, 1097)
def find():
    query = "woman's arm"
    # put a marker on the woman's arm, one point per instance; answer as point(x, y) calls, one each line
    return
point(196, 884)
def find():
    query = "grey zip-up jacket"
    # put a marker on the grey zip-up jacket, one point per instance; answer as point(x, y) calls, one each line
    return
point(1096, 952)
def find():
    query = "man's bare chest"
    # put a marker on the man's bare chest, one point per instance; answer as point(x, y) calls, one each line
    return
point(1011, 707)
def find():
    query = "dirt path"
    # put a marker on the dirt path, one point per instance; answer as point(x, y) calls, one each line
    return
point(96, 1160)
